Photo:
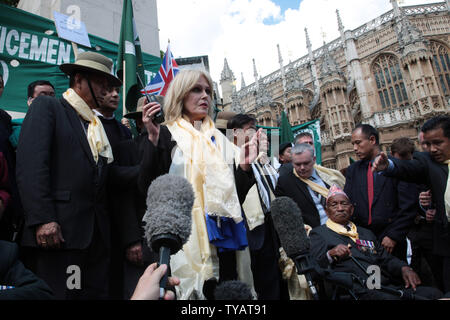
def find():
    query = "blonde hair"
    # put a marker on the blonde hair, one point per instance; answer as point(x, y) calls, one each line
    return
point(178, 90)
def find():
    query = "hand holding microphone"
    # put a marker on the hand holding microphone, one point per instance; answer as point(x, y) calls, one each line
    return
point(167, 220)
point(148, 285)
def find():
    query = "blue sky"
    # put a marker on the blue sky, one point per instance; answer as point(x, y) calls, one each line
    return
point(284, 5)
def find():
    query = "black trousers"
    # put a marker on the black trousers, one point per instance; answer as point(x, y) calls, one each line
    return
point(267, 277)
point(422, 260)
point(63, 270)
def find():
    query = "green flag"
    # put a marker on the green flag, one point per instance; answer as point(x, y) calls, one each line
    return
point(129, 59)
point(285, 129)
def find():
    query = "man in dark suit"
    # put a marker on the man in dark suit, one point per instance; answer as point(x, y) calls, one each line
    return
point(116, 133)
point(304, 185)
point(385, 206)
point(331, 176)
point(63, 162)
point(343, 247)
point(431, 168)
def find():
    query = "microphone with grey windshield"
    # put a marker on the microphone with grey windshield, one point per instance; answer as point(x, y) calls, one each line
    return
point(167, 220)
point(288, 222)
point(233, 290)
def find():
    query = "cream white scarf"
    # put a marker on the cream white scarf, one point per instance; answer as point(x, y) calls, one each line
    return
point(97, 139)
point(210, 164)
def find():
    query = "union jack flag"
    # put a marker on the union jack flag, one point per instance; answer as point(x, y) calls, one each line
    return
point(168, 70)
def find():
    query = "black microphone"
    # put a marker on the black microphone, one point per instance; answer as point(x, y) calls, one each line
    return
point(167, 220)
point(159, 117)
point(288, 222)
point(233, 290)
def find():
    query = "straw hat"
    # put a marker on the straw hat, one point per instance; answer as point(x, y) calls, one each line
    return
point(92, 62)
point(142, 102)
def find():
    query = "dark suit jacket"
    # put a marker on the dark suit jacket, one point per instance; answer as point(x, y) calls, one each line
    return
point(115, 131)
point(12, 273)
point(57, 176)
point(130, 204)
point(394, 206)
point(423, 169)
point(324, 239)
point(285, 168)
point(290, 186)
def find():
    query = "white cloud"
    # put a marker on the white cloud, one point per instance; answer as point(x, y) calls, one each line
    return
point(235, 29)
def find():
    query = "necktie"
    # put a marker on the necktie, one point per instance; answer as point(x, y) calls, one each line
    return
point(447, 193)
point(370, 190)
point(322, 199)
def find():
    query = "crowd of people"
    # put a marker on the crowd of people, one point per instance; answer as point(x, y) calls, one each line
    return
point(73, 194)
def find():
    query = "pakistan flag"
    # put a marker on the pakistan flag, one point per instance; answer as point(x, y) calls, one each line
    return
point(129, 59)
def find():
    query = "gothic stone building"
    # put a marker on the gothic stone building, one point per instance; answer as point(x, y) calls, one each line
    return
point(392, 73)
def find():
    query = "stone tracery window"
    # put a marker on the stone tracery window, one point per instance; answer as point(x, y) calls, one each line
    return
point(441, 64)
point(389, 81)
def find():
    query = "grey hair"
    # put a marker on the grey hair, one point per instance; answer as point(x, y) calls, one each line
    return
point(302, 147)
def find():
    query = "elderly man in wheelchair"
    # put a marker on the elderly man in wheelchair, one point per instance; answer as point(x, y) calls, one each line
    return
point(353, 262)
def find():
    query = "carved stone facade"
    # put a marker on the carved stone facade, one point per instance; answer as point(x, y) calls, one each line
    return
point(393, 73)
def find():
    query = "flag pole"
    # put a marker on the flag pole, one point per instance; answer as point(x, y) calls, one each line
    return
point(124, 88)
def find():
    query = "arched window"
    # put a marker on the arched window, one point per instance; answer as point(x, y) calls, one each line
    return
point(389, 80)
point(441, 66)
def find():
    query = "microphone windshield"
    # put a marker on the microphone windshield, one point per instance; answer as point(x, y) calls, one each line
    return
point(233, 290)
point(170, 199)
point(288, 222)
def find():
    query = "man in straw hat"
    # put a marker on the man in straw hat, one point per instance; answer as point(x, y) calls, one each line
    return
point(342, 246)
point(62, 167)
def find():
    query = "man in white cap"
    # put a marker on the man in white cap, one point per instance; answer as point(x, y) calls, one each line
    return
point(62, 167)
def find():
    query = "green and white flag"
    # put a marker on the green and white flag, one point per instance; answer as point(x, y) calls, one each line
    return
point(129, 59)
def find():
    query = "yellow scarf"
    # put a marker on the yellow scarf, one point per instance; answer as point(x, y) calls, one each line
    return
point(314, 186)
point(340, 229)
point(98, 141)
point(447, 192)
point(330, 176)
point(211, 164)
